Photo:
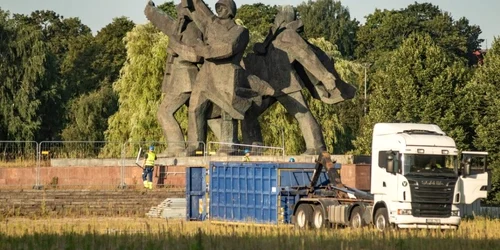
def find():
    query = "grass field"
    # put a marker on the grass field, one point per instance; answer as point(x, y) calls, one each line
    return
point(142, 233)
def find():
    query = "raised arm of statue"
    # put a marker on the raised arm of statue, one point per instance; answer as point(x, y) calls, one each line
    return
point(187, 53)
point(231, 43)
point(160, 19)
point(298, 49)
point(200, 13)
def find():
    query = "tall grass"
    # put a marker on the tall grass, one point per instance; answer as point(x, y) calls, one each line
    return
point(136, 233)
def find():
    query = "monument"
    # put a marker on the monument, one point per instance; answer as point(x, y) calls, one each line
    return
point(180, 71)
point(204, 70)
point(289, 63)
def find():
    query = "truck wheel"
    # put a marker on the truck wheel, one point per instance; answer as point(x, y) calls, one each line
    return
point(381, 219)
point(356, 220)
point(318, 220)
point(303, 216)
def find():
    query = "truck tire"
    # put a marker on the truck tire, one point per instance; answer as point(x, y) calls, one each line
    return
point(303, 216)
point(356, 220)
point(381, 219)
point(318, 218)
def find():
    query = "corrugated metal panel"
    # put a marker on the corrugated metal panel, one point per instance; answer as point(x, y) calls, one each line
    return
point(196, 204)
point(492, 212)
point(475, 209)
point(251, 192)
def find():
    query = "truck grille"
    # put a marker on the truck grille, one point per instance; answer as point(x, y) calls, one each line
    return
point(432, 197)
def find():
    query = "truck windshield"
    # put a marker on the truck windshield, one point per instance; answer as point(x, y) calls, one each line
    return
point(430, 164)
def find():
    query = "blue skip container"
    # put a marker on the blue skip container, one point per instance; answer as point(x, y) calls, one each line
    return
point(258, 192)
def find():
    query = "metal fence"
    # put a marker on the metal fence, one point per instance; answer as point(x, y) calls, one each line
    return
point(22, 155)
point(86, 164)
point(477, 209)
point(102, 164)
point(235, 152)
point(170, 153)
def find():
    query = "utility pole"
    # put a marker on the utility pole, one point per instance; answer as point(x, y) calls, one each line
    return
point(366, 66)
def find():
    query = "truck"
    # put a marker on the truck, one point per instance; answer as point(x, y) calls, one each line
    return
point(414, 174)
point(474, 180)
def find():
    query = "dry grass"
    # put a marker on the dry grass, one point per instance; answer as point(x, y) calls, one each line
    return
point(137, 233)
point(18, 164)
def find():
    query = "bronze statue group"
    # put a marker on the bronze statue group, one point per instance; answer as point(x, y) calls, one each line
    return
point(206, 71)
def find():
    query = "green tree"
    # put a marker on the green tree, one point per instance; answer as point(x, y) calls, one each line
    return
point(100, 64)
point(24, 61)
point(385, 30)
point(138, 87)
point(89, 115)
point(6, 31)
point(111, 52)
point(331, 20)
point(483, 96)
point(258, 19)
point(66, 41)
point(419, 82)
point(169, 8)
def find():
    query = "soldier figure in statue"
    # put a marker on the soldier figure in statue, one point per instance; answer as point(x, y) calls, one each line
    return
point(289, 63)
point(221, 80)
point(180, 71)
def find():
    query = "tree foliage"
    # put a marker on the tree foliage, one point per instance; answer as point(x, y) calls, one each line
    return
point(418, 82)
point(139, 86)
point(483, 97)
point(331, 20)
point(258, 19)
point(96, 102)
point(24, 62)
point(385, 31)
point(89, 115)
point(45, 51)
point(111, 53)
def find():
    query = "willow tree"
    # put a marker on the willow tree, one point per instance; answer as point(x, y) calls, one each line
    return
point(419, 82)
point(139, 87)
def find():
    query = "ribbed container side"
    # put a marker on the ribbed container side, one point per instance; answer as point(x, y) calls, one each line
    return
point(256, 191)
point(196, 205)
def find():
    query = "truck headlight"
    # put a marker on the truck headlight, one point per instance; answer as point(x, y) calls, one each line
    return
point(404, 211)
point(455, 212)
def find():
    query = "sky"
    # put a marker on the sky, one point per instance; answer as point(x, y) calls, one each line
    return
point(98, 13)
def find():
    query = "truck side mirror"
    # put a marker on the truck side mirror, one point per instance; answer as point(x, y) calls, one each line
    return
point(390, 163)
point(466, 171)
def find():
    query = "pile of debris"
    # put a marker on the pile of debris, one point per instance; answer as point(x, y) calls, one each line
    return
point(171, 208)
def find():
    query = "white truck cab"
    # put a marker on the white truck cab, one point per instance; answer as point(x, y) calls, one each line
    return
point(414, 177)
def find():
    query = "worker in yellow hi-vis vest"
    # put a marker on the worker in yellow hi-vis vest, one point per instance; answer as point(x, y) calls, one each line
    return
point(247, 155)
point(148, 165)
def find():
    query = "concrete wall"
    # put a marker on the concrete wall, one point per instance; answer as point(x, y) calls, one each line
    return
point(109, 172)
point(188, 161)
point(89, 176)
